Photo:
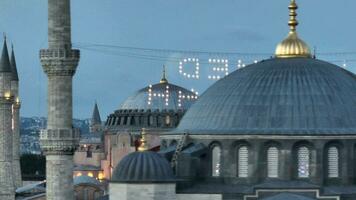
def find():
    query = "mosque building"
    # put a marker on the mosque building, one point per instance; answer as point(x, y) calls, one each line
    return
point(156, 108)
point(90, 153)
point(280, 129)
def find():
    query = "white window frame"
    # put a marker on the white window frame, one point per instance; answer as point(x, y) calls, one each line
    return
point(242, 161)
point(333, 162)
point(303, 159)
point(272, 162)
point(216, 161)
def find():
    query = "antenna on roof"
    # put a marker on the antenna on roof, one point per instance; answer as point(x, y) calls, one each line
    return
point(314, 53)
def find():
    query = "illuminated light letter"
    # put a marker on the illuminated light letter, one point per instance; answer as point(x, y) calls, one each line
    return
point(196, 65)
point(220, 68)
point(240, 64)
point(151, 95)
point(149, 101)
point(186, 97)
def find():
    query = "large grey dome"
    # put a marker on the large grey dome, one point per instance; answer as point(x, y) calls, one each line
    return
point(140, 99)
point(280, 96)
point(141, 167)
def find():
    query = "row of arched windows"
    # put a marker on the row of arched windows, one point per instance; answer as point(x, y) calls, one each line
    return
point(132, 121)
point(303, 161)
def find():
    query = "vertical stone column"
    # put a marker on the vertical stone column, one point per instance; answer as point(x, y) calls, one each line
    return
point(16, 169)
point(59, 140)
point(7, 190)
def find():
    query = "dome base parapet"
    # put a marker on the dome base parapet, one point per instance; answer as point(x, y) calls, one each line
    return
point(59, 141)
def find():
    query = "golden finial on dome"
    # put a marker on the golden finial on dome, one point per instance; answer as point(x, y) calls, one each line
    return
point(292, 46)
point(164, 79)
point(143, 146)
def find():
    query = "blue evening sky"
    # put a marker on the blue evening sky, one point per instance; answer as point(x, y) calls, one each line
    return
point(247, 26)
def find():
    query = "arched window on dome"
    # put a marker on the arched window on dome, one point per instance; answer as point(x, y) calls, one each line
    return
point(114, 121)
point(159, 121)
point(303, 162)
point(140, 120)
point(242, 162)
point(168, 120)
point(272, 162)
point(125, 120)
point(132, 121)
point(333, 162)
point(216, 161)
point(150, 120)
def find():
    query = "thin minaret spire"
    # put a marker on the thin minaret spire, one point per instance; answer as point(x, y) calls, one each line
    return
point(164, 77)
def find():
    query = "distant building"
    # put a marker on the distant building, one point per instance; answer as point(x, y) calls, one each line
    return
point(280, 129)
point(90, 153)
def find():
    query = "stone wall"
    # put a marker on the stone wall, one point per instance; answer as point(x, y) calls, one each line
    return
point(124, 191)
point(80, 158)
point(199, 197)
point(257, 158)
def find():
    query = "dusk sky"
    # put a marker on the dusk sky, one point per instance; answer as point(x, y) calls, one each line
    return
point(109, 75)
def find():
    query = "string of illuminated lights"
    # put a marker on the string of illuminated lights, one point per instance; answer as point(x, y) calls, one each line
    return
point(218, 61)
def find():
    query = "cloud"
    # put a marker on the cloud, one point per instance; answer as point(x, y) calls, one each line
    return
point(245, 34)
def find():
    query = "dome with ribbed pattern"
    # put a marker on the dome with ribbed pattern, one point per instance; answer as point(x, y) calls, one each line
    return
point(143, 167)
point(277, 96)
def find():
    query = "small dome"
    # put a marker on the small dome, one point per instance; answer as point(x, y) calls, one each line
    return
point(292, 46)
point(143, 167)
point(85, 180)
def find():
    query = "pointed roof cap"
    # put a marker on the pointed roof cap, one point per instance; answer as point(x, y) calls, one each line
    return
point(164, 79)
point(15, 76)
point(5, 65)
point(95, 119)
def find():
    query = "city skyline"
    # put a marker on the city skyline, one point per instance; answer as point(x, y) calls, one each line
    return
point(109, 79)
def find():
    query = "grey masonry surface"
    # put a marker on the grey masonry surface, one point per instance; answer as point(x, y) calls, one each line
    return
point(16, 169)
point(7, 190)
point(59, 140)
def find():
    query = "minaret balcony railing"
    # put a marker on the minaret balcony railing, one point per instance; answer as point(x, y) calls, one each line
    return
point(59, 141)
point(59, 53)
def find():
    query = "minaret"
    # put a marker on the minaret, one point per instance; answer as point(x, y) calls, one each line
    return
point(7, 190)
point(59, 140)
point(16, 169)
point(95, 122)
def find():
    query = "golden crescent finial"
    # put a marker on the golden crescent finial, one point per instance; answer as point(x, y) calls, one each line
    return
point(293, 23)
point(292, 46)
point(164, 79)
